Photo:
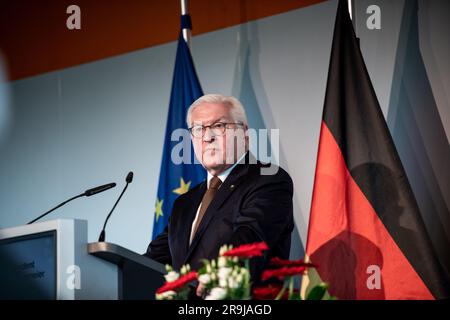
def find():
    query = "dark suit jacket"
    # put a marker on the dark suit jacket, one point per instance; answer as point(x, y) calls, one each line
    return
point(248, 207)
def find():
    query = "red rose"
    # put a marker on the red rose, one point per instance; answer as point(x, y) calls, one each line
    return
point(277, 262)
point(271, 292)
point(179, 283)
point(268, 293)
point(247, 250)
point(282, 272)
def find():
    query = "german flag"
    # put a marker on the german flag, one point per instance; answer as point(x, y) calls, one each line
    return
point(365, 232)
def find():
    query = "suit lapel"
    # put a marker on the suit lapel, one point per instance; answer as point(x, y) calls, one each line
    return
point(231, 183)
point(185, 229)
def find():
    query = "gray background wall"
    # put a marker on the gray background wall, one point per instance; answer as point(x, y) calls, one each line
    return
point(65, 131)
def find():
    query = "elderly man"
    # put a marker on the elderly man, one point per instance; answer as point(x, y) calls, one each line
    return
point(237, 204)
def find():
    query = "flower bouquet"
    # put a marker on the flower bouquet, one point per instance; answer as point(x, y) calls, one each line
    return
point(228, 278)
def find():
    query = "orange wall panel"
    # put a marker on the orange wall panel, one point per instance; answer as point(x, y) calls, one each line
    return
point(34, 38)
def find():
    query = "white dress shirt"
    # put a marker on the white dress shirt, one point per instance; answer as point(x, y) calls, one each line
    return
point(222, 178)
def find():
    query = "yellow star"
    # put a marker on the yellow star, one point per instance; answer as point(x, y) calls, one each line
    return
point(184, 187)
point(158, 209)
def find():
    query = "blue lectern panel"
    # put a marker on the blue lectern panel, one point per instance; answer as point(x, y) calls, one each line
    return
point(28, 267)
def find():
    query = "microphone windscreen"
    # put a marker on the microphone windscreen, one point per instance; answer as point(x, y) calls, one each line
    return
point(129, 177)
point(99, 189)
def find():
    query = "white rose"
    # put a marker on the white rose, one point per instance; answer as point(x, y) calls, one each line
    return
point(171, 276)
point(204, 278)
point(224, 273)
point(217, 294)
point(183, 270)
point(223, 283)
point(166, 295)
point(169, 294)
point(232, 283)
point(222, 250)
point(222, 262)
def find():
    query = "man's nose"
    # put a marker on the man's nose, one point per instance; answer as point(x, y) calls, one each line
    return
point(208, 136)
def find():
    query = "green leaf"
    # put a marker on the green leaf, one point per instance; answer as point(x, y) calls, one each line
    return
point(318, 292)
point(205, 262)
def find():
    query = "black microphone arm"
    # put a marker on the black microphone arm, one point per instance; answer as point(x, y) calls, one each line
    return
point(87, 193)
point(128, 180)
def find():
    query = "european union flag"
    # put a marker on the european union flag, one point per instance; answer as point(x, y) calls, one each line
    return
point(176, 179)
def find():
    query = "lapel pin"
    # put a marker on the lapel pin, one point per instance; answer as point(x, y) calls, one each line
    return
point(232, 186)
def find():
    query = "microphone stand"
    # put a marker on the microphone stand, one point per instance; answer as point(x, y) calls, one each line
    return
point(87, 193)
point(102, 236)
point(59, 205)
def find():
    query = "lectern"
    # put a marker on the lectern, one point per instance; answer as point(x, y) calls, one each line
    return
point(53, 260)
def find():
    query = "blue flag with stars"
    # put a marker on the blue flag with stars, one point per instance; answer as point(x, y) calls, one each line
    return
point(176, 179)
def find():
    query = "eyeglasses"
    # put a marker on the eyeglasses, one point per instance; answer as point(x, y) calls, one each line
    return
point(217, 129)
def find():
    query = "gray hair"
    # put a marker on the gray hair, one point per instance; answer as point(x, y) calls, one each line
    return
point(236, 107)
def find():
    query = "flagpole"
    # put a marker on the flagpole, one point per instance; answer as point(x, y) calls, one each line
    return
point(186, 31)
point(351, 11)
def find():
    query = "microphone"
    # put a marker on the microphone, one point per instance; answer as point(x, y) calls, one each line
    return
point(128, 180)
point(87, 193)
point(96, 190)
